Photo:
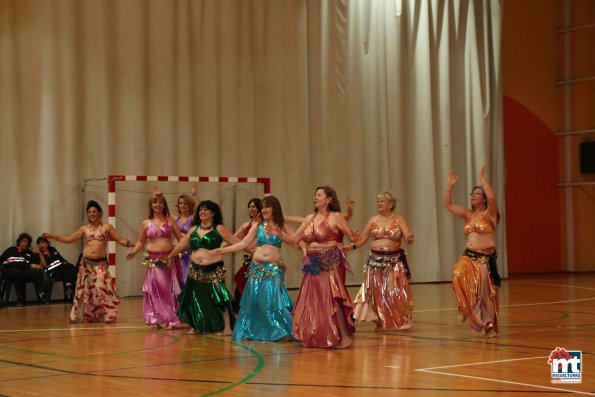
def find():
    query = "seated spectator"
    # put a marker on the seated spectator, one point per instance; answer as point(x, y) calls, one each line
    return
point(21, 265)
point(58, 269)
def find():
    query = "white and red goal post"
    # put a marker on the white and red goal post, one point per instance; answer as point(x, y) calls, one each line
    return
point(113, 180)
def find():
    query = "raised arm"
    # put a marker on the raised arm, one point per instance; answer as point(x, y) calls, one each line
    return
point(489, 192)
point(294, 219)
point(227, 235)
point(175, 228)
point(290, 238)
point(195, 195)
point(344, 227)
point(66, 239)
point(140, 243)
point(349, 213)
point(363, 238)
point(181, 245)
point(117, 238)
point(456, 209)
point(240, 245)
point(405, 228)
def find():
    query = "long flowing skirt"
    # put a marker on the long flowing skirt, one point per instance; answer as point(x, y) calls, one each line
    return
point(240, 279)
point(160, 290)
point(265, 308)
point(385, 295)
point(321, 296)
point(95, 295)
point(184, 266)
point(477, 296)
point(205, 299)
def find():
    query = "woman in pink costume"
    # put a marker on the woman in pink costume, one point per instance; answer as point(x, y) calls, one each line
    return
point(475, 276)
point(160, 287)
point(385, 296)
point(322, 313)
point(95, 294)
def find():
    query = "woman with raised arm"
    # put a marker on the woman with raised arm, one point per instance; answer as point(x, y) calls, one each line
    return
point(385, 295)
point(205, 302)
point(322, 313)
point(265, 308)
point(241, 277)
point(475, 276)
point(161, 286)
point(95, 297)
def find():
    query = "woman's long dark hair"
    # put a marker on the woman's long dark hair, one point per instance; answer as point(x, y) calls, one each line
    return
point(273, 202)
point(211, 206)
point(257, 203)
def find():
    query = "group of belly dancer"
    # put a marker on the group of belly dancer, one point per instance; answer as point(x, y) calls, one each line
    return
point(185, 282)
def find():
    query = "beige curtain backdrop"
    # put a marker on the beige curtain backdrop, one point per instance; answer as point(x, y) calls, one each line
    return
point(360, 95)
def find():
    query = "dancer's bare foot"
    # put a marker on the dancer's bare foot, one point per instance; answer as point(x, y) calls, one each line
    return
point(226, 332)
point(378, 328)
point(192, 331)
point(461, 318)
point(489, 330)
point(344, 343)
point(407, 325)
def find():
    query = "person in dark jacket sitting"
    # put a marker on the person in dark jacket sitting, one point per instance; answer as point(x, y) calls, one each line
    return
point(20, 265)
point(58, 269)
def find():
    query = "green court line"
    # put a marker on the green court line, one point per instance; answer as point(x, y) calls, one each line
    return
point(259, 366)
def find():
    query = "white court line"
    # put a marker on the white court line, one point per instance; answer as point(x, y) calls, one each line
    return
point(507, 382)
point(4, 331)
point(485, 362)
point(559, 285)
point(518, 305)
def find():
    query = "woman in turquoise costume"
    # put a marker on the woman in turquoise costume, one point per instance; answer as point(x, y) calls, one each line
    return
point(265, 307)
point(205, 302)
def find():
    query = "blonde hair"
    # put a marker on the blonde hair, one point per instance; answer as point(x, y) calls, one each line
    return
point(188, 200)
point(390, 196)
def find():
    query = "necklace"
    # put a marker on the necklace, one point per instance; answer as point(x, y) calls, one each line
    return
point(201, 227)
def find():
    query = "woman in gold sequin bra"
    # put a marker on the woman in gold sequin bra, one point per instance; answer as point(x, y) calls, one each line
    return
point(475, 276)
point(385, 295)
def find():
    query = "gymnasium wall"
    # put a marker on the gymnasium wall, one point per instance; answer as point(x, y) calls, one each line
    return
point(536, 157)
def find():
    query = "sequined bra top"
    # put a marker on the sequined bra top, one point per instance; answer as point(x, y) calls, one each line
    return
point(96, 233)
point(184, 227)
point(320, 234)
point(263, 239)
point(483, 224)
point(209, 241)
point(153, 231)
point(392, 231)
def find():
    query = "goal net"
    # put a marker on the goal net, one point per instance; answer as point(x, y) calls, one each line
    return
point(124, 199)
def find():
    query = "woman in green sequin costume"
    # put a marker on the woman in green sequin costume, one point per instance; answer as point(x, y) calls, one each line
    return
point(205, 302)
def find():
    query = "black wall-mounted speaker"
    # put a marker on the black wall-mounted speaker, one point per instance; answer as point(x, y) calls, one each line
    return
point(588, 157)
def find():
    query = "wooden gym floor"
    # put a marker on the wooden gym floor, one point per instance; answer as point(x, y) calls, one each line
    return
point(42, 355)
